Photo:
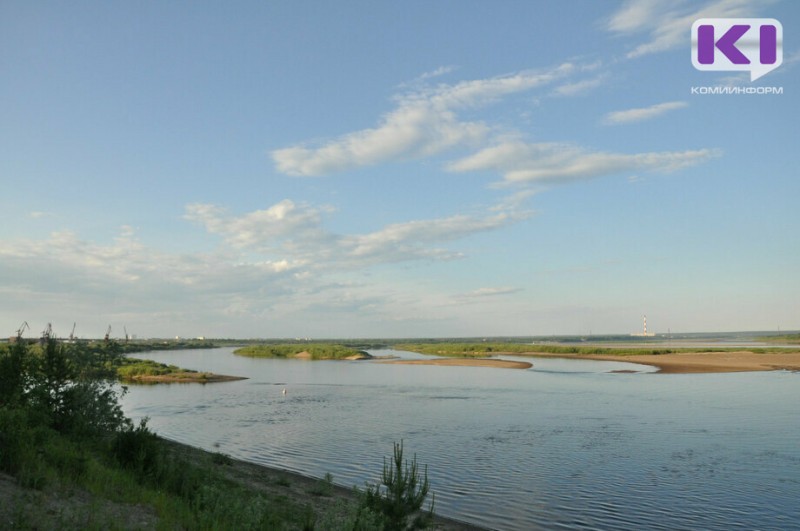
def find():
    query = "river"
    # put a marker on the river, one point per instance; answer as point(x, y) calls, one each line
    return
point(567, 444)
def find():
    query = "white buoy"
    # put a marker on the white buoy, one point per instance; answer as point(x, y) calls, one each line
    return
point(284, 390)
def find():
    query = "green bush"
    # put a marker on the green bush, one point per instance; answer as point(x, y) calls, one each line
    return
point(138, 449)
point(399, 502)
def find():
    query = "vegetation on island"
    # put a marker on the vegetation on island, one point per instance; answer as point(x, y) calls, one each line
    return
point(314, 351)
point(132, 370)
point(77, 462)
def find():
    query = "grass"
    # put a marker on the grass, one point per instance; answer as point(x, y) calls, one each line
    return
point(145, 483)
point(316, 351)
point(130, 370)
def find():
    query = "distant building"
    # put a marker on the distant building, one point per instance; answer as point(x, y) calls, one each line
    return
point(644, 332)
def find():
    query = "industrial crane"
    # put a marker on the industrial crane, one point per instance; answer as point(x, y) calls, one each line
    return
point(108, 334)
point(72, 334)
point(20, 331)
point(126, 332)
point(47, 333)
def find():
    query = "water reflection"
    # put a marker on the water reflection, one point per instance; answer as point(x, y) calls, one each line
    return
point(565, 443)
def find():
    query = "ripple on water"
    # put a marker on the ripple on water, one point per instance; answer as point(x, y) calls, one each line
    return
point(515, 449)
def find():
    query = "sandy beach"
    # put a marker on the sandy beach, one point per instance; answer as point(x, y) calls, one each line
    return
point(466, 362)
point(703, 362)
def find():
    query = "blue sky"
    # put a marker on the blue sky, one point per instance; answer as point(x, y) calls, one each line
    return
point(376, 169)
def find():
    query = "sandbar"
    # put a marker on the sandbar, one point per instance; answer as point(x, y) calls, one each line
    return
point(702, 362)
point(467, 362)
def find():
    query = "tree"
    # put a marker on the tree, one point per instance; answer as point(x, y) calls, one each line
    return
point(13, 373)
point(403, 494)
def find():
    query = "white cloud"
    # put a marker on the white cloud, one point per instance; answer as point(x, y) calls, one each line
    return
point(285, 220)
point(643, 113)
point(416, 239)
point(424, 123)
point(125, 281)
point(634, 15)
point(490, 292)
point(276, 265)
point(297, 231)
point(548, 163)
point(442, 70)
point(667, 23)
point(579, 87)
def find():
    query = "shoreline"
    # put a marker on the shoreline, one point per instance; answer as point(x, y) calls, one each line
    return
point(694, 362)
point(297, 485)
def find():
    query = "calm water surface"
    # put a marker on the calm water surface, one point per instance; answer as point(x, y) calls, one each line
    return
point(568, 444)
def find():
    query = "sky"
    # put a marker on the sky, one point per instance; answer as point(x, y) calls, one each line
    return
point(392, 169)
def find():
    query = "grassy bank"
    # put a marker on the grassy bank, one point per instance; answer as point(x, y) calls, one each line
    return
point(314, 351)
point(133, 480)
point(233, 495)
point(70, 459)
point(132, 370)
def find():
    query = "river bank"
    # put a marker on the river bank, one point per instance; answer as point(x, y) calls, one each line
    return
point(331, 502)
point(67, 506)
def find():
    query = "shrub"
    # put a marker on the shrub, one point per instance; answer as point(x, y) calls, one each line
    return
point(402, 498)
point(138, 449)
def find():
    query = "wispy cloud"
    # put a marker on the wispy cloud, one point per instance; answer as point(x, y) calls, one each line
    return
point(643, 113)
point(481, 293)
point(442, 70)
point(279, 261)
point(425, 122)
point(580, 87)
point(634, 15)
point(666, 23)
point(285, 221)
point(297, 231)
point(551, 163)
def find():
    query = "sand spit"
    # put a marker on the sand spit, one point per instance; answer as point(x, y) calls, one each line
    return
point(467, 362)
point(702, 362)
